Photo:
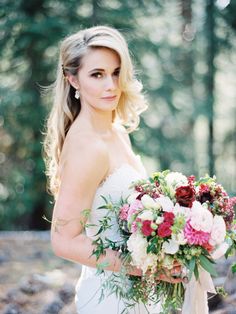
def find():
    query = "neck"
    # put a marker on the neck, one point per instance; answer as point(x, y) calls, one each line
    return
point(98, 120)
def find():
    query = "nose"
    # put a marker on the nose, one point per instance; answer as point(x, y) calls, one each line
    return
point(110, 83)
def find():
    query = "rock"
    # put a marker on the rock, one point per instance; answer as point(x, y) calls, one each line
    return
point(12, 309)
point(16, 296)
point(66, 293)
point(53, 307)
point(32, 286)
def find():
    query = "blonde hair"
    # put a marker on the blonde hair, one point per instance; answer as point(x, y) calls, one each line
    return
point(66, 108)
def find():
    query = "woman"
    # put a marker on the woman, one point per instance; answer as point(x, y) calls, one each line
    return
point(96, 99)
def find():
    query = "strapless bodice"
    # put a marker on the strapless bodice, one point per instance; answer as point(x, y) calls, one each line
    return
point(115, 186)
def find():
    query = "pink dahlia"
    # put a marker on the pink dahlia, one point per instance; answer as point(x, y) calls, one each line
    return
point(194, 236)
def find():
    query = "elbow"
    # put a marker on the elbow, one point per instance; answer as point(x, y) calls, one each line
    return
point(58, 245)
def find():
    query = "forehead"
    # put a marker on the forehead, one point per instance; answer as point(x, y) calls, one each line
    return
point(102, 58)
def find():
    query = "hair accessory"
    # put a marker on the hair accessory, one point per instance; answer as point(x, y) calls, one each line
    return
point(77, 94)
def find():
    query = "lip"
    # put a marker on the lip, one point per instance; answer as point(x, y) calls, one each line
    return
point(109, 98)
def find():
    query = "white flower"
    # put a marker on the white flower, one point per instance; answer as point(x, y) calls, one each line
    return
point(146, 215)
point(176, 179)
point(201, 218)
point(132, 197)
point(166, 203)
point(168, 261)
point(137, 245)
point(180, 210)
point(218, 232)
point(159, 220)
point(170, 247)
point(149, 262)
point(148, 202)
point(179, 238)
point(220, 250)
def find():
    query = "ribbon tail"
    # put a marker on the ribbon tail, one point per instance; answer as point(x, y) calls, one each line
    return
point(195, 298)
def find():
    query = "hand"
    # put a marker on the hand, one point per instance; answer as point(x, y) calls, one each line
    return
point(172, 275)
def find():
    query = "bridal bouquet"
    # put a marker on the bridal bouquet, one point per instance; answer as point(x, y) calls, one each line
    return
point(168, 218)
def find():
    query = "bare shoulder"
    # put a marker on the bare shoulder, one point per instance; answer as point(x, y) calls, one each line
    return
point(123, 132)
point(86, 154)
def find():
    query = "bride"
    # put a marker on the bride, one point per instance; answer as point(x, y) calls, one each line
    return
point(97, 101)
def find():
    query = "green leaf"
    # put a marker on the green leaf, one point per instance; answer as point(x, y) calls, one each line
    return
point(101, 267)
point(207, 265)
point(196, 272)
point(233, 268)
point(191, 266)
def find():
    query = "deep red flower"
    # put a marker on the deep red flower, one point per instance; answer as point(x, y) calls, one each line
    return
point(146, 228)
point(191, 179)
point(139, 188)
point(185, 195)
point(164, 230)
point(169, 217)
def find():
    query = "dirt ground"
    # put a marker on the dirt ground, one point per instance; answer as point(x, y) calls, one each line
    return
point(34, 281)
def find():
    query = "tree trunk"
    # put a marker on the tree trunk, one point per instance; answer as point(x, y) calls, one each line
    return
point(210, 86)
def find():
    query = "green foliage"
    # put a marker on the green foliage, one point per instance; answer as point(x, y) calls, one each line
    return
point(233, 267)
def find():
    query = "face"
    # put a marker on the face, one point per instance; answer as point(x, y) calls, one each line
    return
point(98, 79)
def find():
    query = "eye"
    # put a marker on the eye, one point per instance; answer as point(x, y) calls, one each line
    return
point(97, 74)
point(117, 72)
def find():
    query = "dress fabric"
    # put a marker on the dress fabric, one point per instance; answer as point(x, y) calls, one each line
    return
point(88, 288)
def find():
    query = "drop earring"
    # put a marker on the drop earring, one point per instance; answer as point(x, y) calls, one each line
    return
point(77, 94)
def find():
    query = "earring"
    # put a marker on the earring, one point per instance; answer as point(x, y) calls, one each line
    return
point(77, 94)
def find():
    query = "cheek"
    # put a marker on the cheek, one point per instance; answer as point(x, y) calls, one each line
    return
point(92, 89)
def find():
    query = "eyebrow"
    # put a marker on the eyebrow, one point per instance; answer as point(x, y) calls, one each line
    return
point(102, 70)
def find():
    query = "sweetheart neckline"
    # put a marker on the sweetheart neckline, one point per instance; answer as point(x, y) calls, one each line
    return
point(117, 169)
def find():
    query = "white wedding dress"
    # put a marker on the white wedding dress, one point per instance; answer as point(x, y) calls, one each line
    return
point(88, 288)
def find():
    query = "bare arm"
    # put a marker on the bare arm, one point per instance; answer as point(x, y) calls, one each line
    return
point(84, 166)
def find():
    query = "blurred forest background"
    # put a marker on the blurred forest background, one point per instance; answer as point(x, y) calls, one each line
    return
point(185, 55)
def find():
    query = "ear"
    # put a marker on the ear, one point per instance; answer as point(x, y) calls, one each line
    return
point(73, 80)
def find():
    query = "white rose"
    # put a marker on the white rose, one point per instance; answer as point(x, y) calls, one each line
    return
point(170, 247)
point(166, 203)
point(148, 202)
point(179, 238)
point(137, 245)
point(176, 179)
point(218, 232)
point(220, 250)
point(146, 215)
point(132, 197)
point(201, 218)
